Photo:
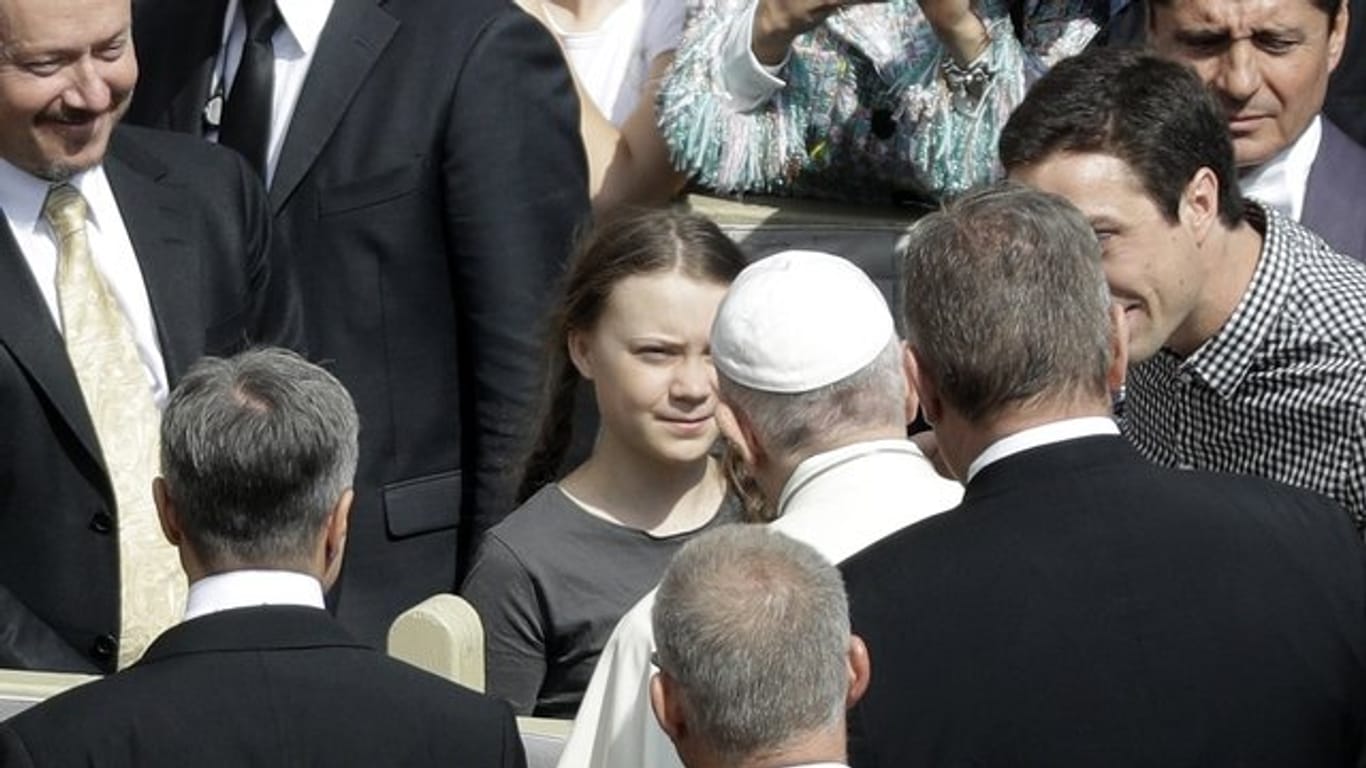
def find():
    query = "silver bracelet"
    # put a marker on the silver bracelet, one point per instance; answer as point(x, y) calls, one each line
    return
point(966, 84)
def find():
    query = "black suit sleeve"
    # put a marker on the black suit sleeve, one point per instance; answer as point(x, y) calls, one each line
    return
point(275, 317)
point(514, 754)
point(27, 642)
point(13, 753)
point(516, 188)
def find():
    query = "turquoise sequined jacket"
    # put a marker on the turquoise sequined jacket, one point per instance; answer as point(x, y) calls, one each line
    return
point(865, 113)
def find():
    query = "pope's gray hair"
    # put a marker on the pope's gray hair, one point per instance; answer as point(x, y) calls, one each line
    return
point(806, 423)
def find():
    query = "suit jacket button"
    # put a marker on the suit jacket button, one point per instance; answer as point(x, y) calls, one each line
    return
point(105, 647)
point(102, 522)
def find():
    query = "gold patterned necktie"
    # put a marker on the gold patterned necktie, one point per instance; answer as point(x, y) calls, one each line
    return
point(114, 385)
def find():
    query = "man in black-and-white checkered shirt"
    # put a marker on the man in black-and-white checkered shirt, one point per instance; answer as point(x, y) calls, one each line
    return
point(1247, 333)
point(1280, 390)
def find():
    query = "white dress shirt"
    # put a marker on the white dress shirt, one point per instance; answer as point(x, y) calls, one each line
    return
point(748, 82)
point(294, 43)
point(251, 588)
point(21, 197)
point(1282, 181)
point(1056, 432)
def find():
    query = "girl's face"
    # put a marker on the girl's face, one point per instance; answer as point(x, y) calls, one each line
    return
point(649, 359)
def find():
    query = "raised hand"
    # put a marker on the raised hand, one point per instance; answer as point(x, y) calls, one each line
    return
point(957, 27)
point(778, 22)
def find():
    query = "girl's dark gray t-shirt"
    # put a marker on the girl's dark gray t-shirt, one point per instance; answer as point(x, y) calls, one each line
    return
point(550, 583)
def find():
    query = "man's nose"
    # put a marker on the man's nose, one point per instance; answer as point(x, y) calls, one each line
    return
point(1240, 74)
point(88, 89)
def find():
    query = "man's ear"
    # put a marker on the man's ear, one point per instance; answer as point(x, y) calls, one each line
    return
point(167, 514)
point(912, 394)
point(577, 346)
point(1199, 206)
point(918, 377)
point(860, 671)
point(735, 427)
point(668, 709)
point(1119, 350)
point(1337, 35)
point(334, 538)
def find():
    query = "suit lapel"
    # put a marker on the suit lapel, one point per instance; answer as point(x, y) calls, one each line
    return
point(27, 330)
point(192, 33)
point(152, 212)
point(356, 33)
point(186, 111)
point(1331, 209)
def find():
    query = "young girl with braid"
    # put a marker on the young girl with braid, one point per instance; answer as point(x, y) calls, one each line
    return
point(552, 579)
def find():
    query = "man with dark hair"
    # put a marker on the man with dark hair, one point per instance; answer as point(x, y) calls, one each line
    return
point(1083, 606)
point(1246, 331)
point(1268, 62)
point(757, 665)
point(258, 453)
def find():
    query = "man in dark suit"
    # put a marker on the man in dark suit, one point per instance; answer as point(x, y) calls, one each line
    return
point(1082, 606)
point(1269, 64)
point(258, 454)
point(97, 319)
point(425, 175)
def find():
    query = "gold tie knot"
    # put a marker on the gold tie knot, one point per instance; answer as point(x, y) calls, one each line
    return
point(64, 210)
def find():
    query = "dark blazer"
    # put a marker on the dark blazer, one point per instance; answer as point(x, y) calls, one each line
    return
point(427, 191)
point(1346, 101)
point(1082, 607)
point(199, 225)
point(269, 686)
point(1335, 197)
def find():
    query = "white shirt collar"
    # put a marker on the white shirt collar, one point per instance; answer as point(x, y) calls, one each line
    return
point(303, 21)
point(813, 466)
point(249, 588)
point(22, 194)
point(1045, 434)
point(1282, 181)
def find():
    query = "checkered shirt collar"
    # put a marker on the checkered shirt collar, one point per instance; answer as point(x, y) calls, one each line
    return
point(1224, 360)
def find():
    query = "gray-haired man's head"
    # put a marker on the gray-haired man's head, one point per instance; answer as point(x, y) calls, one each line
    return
point(1007, 312)
point(755, 651)
point(258, 451)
